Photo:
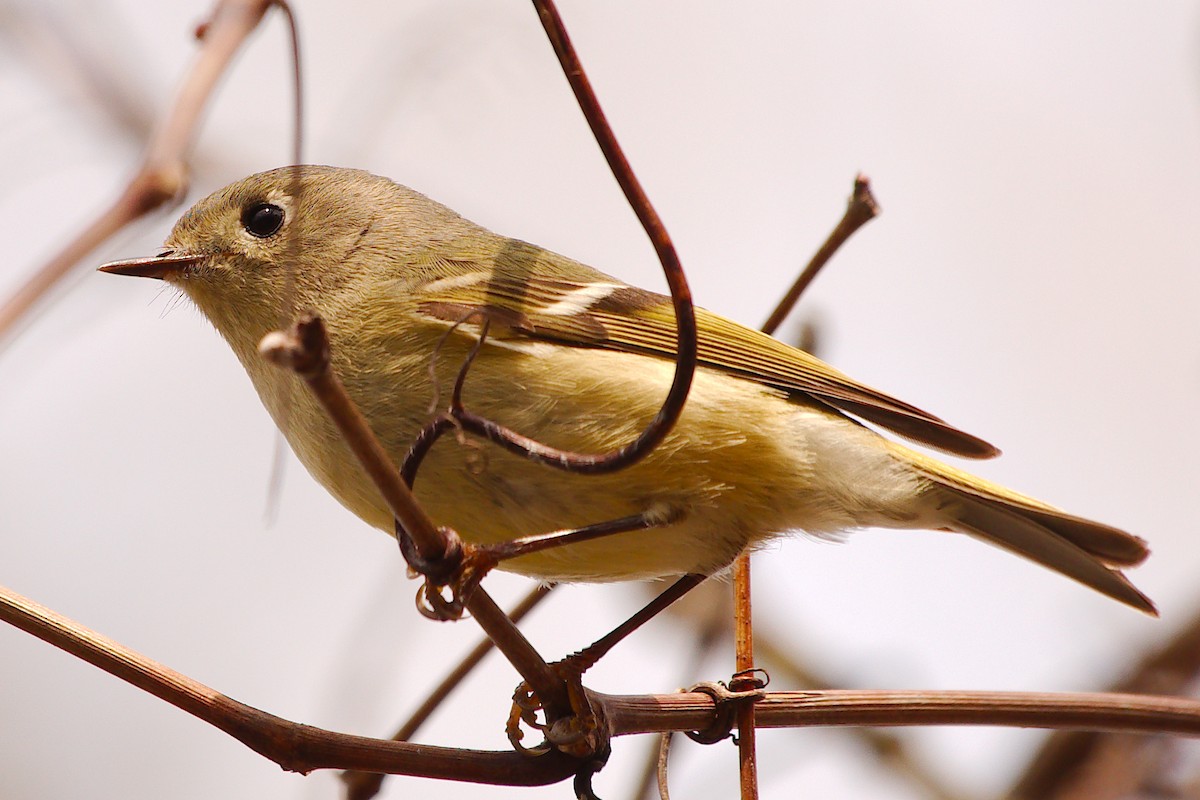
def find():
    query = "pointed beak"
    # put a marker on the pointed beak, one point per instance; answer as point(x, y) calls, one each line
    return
point(160, 266)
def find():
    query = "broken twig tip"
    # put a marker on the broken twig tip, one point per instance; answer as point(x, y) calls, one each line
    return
point(279, 348)
point(863, 198)
point(304, 349)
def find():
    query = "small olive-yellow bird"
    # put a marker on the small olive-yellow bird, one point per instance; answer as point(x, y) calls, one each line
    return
point(769, 441)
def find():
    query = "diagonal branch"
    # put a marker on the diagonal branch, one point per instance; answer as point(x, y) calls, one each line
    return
point(305, 350)
point(293, 746)
point(162, 176)
point(861, 209)
point(1077, 763)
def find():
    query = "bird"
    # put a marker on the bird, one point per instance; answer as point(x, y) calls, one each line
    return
point(771, 439)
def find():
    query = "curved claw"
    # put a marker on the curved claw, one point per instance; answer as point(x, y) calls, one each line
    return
point(583, 779)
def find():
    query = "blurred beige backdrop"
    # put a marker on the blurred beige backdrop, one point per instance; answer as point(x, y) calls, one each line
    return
point(1033, 279)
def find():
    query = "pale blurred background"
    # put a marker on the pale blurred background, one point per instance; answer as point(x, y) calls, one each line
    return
point(1034, 279)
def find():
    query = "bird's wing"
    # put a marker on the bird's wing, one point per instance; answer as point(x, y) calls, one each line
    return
point(528, 292)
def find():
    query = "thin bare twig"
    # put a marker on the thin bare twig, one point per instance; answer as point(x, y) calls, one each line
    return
point(515, 548)
point(744, 678)
point(305, 350)
point(287, 305)
point(588, 656)
point(861, 209)
point(162, 176)
point(660, 772)
point(681, 297)
point(709, 612)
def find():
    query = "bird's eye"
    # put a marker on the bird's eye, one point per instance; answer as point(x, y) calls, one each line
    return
point(262, 219)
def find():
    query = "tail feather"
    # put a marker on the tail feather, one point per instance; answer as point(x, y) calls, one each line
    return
point(1078, 548)
point(1062, 548)
point(1111, 545)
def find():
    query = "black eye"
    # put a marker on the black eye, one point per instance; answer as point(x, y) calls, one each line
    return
point(262, 219)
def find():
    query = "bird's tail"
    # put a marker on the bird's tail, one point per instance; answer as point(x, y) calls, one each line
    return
point(1089, 552)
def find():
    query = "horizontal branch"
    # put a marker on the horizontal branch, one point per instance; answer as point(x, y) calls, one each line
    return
point(303, 748)
point(291, 745)
point(628, 714)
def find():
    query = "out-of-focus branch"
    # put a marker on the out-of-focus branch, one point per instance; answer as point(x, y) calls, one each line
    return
point(708, 610)
point(60, 54)
point(890, 750)
point(1087, 764)
point(162, 176)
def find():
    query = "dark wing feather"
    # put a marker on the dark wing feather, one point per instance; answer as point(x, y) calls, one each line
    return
point(540, 295)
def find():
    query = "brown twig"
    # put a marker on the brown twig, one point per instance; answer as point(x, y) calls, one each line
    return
point(859, 211)
point(681, 297)
point(287, 302)
point(515, 548)
point(305, 350)
point(709, 612)
point(588, 656)
point(744, 678)
point(293, 746)
point(660, 771)
point(287, 310)
point(630, 714)
point(162, 176)
point(365, 785)
point(303, 748)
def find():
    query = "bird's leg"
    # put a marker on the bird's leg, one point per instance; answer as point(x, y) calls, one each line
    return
point(582, 733)
point(467, 564)
point(579, 662)
point(568, 536)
